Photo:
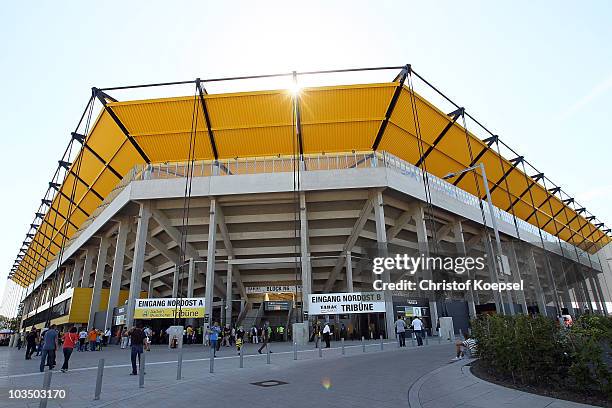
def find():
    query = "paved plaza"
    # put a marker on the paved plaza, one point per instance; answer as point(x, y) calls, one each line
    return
point(392, 377)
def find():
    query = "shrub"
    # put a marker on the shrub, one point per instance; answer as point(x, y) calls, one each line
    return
point(536, 351)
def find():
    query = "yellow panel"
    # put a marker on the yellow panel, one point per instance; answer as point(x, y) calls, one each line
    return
point(259, 109)
point(175, 147)
point(335, 137)
point(255, 142)
point(106, 137)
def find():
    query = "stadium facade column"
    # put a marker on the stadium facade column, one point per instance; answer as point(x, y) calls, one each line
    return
point(150, 287)
point(142, 229)
point(423, 244)
point(594, 282)
point(175, 280)
point(533, 270)
point(228, 294)
point(584, 288)
point(568, 300)
point(488, 248)
point(515, 269)
point(461, 251)
point(190, 281)
point(305, 254)
point(117, 274)
point(77, 271)
point(349, 272)
point(89, 257)
point(381, 241)
point(210, 259)
point(98, 279)
point(602, 298)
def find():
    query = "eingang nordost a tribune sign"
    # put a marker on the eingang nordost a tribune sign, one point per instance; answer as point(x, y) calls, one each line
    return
point(341, 303)
point(169, 308)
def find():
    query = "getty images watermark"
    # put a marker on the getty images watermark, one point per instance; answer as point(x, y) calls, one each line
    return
point(460, 265)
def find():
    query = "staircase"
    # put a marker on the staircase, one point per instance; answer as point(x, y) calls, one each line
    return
point(252, 317)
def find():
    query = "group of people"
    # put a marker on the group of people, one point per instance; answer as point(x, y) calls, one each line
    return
point(46, 343)
point(401, 326)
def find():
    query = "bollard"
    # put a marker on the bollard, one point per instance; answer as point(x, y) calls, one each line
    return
point(320, 350)
point(99, 379)
point(440, 338)
point(46, 386)
point(381, 343)
point(212, 359)
point(342, 341)
point(268, 353)
point(363, 343)
point(142, 371)
point(412, 339)
point(241, 358)
point(294, 350)
point(460, 333)
point(426, 339)
point(179, 366)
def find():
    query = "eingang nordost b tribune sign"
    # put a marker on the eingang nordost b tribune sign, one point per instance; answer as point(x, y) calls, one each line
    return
point(169, 308)
point(342, 303)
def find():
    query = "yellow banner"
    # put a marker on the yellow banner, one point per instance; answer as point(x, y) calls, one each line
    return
point(169, 308)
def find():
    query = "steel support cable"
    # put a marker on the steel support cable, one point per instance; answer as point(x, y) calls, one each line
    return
point(187, 204)
point(557, 234)
point(69, 213)
point(551, 277)
point(425, 174)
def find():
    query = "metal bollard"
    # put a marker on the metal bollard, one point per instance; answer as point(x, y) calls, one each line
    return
point(241, 358)
point(381, 343)
point(426, 339)
point(99, 379)
point(363, 343)
point(342, 341)
point(179, 366)
point(142, 371)
point(268, 353)
point(412, 339)
point(212, 359)
point(320, 350)
point(440, 338)
point(294, 350)
point(46, 386)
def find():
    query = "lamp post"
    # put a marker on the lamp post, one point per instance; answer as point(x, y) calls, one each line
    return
point(481, 167)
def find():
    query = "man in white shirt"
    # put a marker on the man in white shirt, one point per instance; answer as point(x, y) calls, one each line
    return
point(417, 327)
point(327, 334)
point(400, 329)
point(82, 339)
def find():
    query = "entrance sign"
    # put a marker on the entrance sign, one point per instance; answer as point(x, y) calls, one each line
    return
point(252, 290)
point(342, 303)
point(169, 308)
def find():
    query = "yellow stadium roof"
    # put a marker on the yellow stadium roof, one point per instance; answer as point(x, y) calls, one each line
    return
point(374, 116)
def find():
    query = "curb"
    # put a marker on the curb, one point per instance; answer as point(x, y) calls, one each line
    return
point(413, 392)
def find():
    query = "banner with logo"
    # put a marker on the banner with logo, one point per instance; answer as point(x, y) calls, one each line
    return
point(169, 308)
point(343, 303)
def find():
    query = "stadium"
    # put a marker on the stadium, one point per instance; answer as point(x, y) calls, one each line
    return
point(257, 199)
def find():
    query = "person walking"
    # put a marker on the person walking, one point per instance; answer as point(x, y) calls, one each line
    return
point(400, 329)
point(39, 341)
point(316, 332)
point(71, 340)
point(137, 337)
point(30, 343)
point(83, 339)
point(91, 338)
point(265, 335)
point(213, 337)
point(124, 338)
point(327, 334)
point(107, 337)
point(49, 345)
point(254, 337)
point(417, 327)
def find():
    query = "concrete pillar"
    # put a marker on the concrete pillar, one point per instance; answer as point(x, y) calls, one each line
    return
point(191, 278)
point(210, 260)
point(421, 230)
point(89, 257)
point(117, 274)
point(98, 279)
point(228, 295)
point(305, 254)
point(552, 284)
point(533, 269)
point(602, 298)
point(144, 215)
point(516, 276)
point(150, 287)
point(349, 272)
point(462, 251)
point(77, 271)
point(381, 240)
point(175, 280)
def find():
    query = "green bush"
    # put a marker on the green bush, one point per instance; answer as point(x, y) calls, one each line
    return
point(535, 350)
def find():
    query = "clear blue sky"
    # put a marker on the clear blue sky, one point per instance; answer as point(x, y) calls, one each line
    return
point(537, 73)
